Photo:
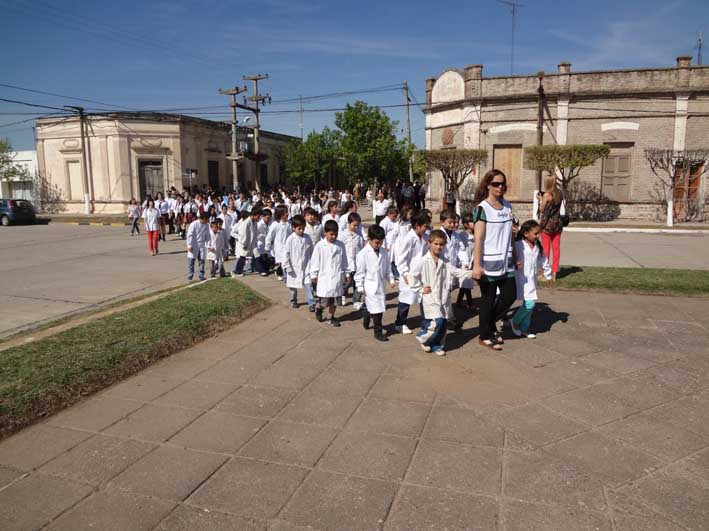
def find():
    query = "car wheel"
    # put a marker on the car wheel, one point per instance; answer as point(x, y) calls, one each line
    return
point(5, 221)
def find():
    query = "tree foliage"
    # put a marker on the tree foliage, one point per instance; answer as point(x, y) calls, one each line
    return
point(566, 162)
point(315, 159)
point(454, 164)
point(7, 168)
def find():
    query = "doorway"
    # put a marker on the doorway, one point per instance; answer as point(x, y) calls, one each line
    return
point(686, 192)
point(263, 176)
point(213, 174)
point(508, 159)
point(150, 178)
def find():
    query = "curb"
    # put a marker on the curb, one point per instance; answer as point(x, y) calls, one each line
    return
point(632, 230)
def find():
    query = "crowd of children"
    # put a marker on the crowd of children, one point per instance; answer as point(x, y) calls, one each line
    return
point(319, 244)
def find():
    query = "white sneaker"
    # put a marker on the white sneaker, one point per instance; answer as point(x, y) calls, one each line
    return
point(406, 330)
point(280, 278)
point(425, 348)
point(516, 331)
point(357, 306)
point(344, 301)
point(530, 336)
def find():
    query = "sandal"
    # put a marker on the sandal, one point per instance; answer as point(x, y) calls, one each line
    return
point(489, 344)
point(497, 338)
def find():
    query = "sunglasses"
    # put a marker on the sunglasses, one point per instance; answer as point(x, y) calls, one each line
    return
point(496, 184)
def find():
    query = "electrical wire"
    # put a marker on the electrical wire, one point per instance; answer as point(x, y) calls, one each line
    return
point(18, 122)
point(109, 105)
point(33, 105)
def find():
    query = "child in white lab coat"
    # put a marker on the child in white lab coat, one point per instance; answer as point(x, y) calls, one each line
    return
point(313, 228)
point(276, 238)
point(408, 248)
point(530, 258)
point(297, 253)
point(197, 240)
point(214, 249)
point(263, 262)
point(432, 276)
point(327, 269)
point(246, 234)
point(391, 226)
point(353, 244)
point(467, 239)
point(373, 273)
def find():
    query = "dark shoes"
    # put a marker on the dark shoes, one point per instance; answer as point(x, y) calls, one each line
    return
point(379, 336)
point(318, 314)
point(333, 322)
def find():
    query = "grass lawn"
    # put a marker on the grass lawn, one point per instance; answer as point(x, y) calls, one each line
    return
point(639, 280)
point(46, 375)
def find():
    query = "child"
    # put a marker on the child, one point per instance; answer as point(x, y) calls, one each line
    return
point(466, 260)
point(431, 276)
point(151, 217)
point(276, 238)
point(134, 216)
point(354, 243)
point(197, 239)
point(349, 207)
point(313, 228)
point(412, 246)
point(373, 271)
point(297, 252)
point(214, 249)
point(263, 262)
point(327, 266)
point(530, 258)
point(331, 214)
point(391, 233)
point(246, 240)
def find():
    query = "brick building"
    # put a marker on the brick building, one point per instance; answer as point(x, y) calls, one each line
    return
point(630, 110)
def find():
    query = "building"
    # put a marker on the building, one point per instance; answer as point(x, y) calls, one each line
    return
point(20, 186)
point(131, 154)
point(630, 110)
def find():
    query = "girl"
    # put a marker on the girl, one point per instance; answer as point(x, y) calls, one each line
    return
point(212, 214)
point(164, 210)
point(151, 217)
point(331, 208)
point(530, 258)
point(466, 258)
point(493, 260)
point(550, 207)
point(133, 216)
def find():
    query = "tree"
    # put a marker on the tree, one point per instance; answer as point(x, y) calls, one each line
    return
point(7, 169)
point(315, 160)
point(370, 149)
point(566, 162)
point(454, 164)
point(671, 166)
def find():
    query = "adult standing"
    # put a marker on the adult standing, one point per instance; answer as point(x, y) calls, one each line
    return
point(417, 198)
point(380, 207)
point(550, 206)
point(493, 260)
point(407, 195)
point(422, 195)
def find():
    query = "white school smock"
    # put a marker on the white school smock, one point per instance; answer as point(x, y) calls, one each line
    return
point(391, 232)
point(297, 253)
point(294, 210)
point(353, 245)
point(151, 217)
point(439, 276)
point(380, 207)
point(276, 240)
point(314, 231)
point(465, 255)
point(372, 275)
point(171, 205)
point(197, 238)
point(247, 238)
point(328, 217)
point(497, 247)
point(532, 259)
point(327, 265)
point(408, 249)
point(227, 223)
point(262, 230)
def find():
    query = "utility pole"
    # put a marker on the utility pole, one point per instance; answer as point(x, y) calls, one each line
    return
point(257, 99)
point(540, 121)
point(233, 92)
point(84, 165)
point(700, 44)
point(408, 129)
point(513, 4)
point(301, 117)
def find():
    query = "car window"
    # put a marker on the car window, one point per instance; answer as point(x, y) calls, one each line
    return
point(23, 203)
point(3, 203)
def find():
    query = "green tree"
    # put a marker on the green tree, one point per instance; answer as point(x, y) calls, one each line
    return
point(454, 164)
point(370, 150)
point(7, 168)
point(316, 160)
point(566, 162)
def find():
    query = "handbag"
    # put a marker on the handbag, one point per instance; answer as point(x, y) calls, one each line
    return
point(565, 220)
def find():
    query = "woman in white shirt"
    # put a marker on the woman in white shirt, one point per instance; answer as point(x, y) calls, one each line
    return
point(151, 217)
point(164, 208)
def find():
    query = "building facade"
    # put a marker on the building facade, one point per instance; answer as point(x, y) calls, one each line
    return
point(630, 110)
point(20, 186)
point(132, 154)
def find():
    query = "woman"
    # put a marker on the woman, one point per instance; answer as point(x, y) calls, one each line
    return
point(163, 207)
point(151, 217)
point(550, 205)
point(493, 261)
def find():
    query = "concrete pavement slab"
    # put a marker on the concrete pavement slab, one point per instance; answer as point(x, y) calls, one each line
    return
point(143, 387)
point(185, 518)
point(289, 443)
point(255, 401)
point(391, 387)
point(460, 425)
point(287, 375)
point(114, 511)
point(36, 445)
point(538, 425)
point(523, 516)
point(218, 431)
point(325, 410)
point(8, 475)
point(153, 423)
point(343, 382)
point(590, 406)
point(233, 370)
point(196, 394)
point(390, 417)
point(691, 413)
point(95, 413)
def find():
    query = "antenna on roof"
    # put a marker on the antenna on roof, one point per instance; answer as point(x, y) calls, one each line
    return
point(513, 5)
point(700, 44)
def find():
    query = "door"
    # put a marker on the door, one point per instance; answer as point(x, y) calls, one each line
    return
point(213, 174)
point(617, 172)
point(263, 176)
point(686, 191)
point(75, 180)
point(150, 178)
point(508, 159)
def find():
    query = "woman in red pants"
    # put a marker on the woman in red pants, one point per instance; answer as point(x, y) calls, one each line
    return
point(151, 217)
point(550, 204)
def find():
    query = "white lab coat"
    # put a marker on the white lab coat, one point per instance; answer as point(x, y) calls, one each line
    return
point(276, 240)
point(297, 252)
point(152, 219)
point(328, 265)
point(408, 249)
point(262, 230)
point(532, 259)
point(197, 239)
point(246, 234)
point(328, 217)
point(373, 274)
point(465, 255)
point(353, 245)
point(439, 276)
point(227, 223)
point(391, 232)
point(314, 231)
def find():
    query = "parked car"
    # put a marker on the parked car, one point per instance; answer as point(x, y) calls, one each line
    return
point(16, 211)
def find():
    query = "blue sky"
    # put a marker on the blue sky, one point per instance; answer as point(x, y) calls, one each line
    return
point(174, 54)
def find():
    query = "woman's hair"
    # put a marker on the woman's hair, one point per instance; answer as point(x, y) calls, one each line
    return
point(132, 201)
point(150, 200)
point(482, 192)
point(549, 186)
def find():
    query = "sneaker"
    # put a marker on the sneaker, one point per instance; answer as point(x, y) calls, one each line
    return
point(426, 348)
point(344, 301)
point(406, 330)
point(333, 322)
point(530, 335)
point(311, 308)
point(438, 351)
point(264, 274)
point(516, 331)
point(280, 277)
point(318, 314)
point(294, 305)
point(357, 306)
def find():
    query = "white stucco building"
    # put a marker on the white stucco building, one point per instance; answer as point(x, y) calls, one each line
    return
point(20, 186)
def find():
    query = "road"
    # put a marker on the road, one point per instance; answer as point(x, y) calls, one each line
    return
point(50, 271)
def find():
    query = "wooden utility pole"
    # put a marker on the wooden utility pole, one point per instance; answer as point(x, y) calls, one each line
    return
point(84, 165)
point(233, 92)
point(301, 117)
point(257, 99)
point(540, 121)
point(408, 129)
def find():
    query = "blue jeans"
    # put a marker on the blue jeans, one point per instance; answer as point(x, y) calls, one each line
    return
point(190, 267)
point(402, 314)
point(434, 332)
point(239, 265)
point(523, 316)
point(309, 292)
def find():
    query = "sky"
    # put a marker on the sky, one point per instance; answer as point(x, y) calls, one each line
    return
point(154, 55)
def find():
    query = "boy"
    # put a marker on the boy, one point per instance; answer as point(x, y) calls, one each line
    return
point(354, 243)
point(373, 271)
point(408, 248)
point(451, 254)
point(297, 252)
point(467, 242)
point(197, 239)
point(214, 249)
point(391, 233)
point(313, 228)
point(276, 238)
point(246, 240)
point(327, 266)
point(350, 207)
point(431, 276)
point(263, 261)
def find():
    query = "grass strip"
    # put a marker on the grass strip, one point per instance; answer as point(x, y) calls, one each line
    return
point(39, 378)
point(686, 282)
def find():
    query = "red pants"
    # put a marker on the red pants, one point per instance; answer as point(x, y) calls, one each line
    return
point(553, 241)
point(152, 240)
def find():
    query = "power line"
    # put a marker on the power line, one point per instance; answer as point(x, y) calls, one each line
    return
point(33, 105)
point(63, 96)
point(18, 122)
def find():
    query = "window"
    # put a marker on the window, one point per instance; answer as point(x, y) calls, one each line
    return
point(508, 159)
point(617, 172)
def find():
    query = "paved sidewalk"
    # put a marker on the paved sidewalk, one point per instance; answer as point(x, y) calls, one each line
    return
point(283, 423)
